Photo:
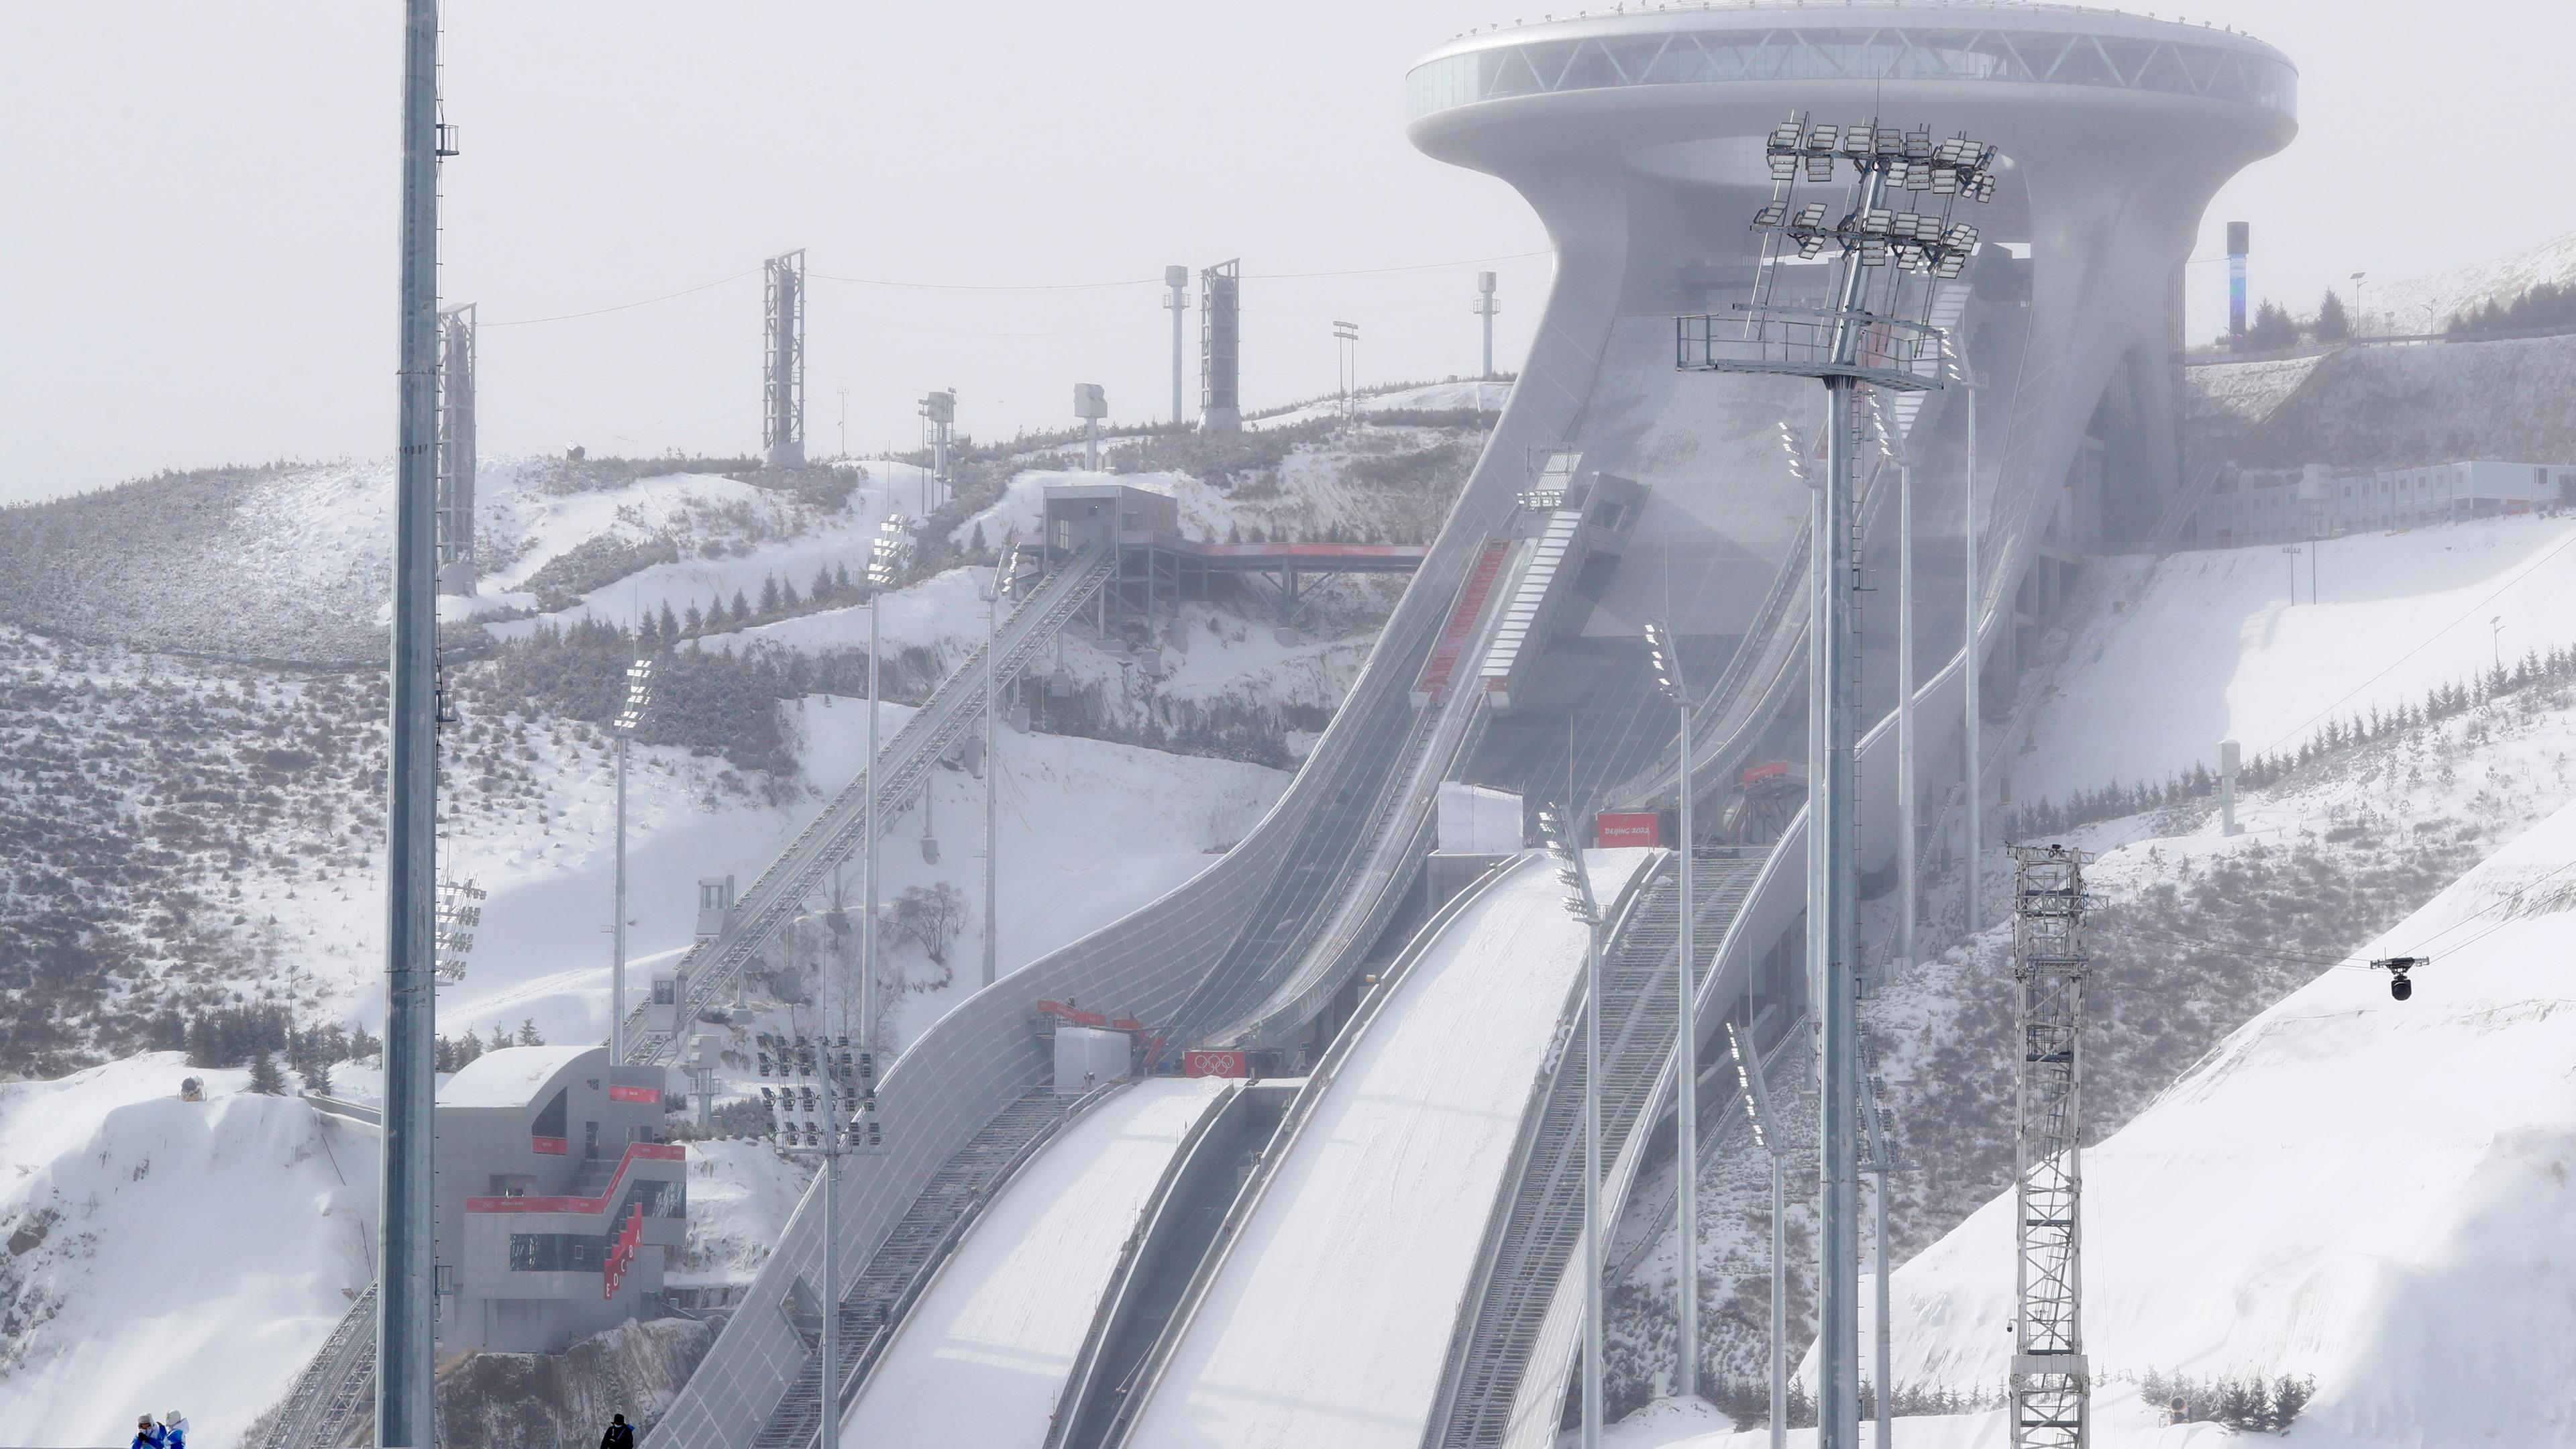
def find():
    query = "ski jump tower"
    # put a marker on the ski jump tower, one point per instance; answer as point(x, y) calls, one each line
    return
point(1220, 348)
point(782, 390)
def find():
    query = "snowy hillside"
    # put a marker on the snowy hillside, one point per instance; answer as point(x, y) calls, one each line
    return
point(2427, 304)
point(2390, 407)
point(2197, 933)
point(167, 1254)
point(2232, 657)
point(2368, 1191)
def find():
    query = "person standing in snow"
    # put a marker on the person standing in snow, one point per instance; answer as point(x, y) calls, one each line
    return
point(147, 1435)
point(619, 1435)
point(174, 1430)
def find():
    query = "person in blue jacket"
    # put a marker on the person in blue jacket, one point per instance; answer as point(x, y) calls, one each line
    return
point(174, 1430)
point(147, 1435)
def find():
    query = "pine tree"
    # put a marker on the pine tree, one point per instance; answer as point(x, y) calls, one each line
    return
point(841, 580)
point(787, 595)
point(975, 545)
point(822, 585)
point(265, 1078)
point(500, 1038)
point(2333, 324)
point(2273, 329)
point(644, 629)
point(317, 1077)
point(528, 1027)
point(694, 621)
point(768, 595)
point(670, 623)
point(741, 610)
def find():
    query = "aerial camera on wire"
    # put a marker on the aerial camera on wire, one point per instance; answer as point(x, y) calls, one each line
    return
point(2400, 985)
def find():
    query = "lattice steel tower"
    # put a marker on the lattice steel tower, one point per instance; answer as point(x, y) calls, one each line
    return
point(2050, 1388)
point(782, 392)
point(1221, 348)
point(456, 449)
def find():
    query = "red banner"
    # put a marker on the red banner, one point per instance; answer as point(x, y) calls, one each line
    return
point(1213, 1064)
point(1629, 827)
point(1769, 770)
point(634, 1094)
point(550, 1146)
point(621, 1254)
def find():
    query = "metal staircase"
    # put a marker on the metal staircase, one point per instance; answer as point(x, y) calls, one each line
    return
point(712, 968)
point(901, 1266)
point(1539, 1219)
point(336, 1388)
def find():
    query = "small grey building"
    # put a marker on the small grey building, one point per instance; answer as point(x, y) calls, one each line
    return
point(557, 1200)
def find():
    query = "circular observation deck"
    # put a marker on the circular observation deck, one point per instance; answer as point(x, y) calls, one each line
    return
point(2012, 73)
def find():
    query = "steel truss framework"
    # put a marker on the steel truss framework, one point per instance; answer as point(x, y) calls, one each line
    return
point(1796, 53)
point(782, 392)
point(2050, 1387)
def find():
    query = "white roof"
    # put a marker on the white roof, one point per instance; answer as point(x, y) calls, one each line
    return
point(512, 1076)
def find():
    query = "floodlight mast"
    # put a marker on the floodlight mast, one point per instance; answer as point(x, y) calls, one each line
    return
point(1667, 663)
point(1766, 1135)
point(887, 560)
point(407, 1302)
point(1864, 334)
point(639, 697)
point(1579, 903)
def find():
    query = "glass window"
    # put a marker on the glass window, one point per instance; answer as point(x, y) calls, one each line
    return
point(558, 1253)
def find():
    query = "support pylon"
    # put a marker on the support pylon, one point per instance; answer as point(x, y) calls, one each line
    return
point(2050, 1385)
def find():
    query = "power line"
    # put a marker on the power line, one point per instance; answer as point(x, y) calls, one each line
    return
point(625, 306)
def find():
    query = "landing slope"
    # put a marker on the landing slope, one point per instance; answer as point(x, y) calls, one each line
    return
point(983, 1356)
point(1329, 1322)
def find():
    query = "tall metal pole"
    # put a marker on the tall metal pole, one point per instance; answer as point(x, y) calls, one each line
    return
point(1176, 280)
point(1837, 820)
point(1906, 777)
point(1664, 653)
point(1971, 826)
point(2051, 1382)
point(992, 777)
point(617, 930)
point(1485, 308)
point(1592, 1321)
point(1686, 1081)
point(868, 872)
point(407, 1306)
point(1886, 1348)
point(1779, 1301)
point(827, 1387)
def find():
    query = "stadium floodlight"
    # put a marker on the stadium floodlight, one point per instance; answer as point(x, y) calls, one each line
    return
point(1874, 328)
point(1585, 907)
point(1757, 1108)
point(826, 1108)
point(888, 557)
point(1664, 656)
point(630, 717)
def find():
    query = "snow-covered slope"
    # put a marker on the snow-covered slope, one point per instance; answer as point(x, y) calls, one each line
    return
point(2427, 304)
point(983, 1355)
point(2370, 1191)
point(2173, 655)
point(1328, 1321)
point(168, 1254)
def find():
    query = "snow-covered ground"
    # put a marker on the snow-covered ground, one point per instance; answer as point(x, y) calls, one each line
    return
point(2368, 1192)
point(168, 1254)
point(1082, 843)
point(2205, 646)
point(2427, 304)
point(983, 1355)
point(1331, 1316)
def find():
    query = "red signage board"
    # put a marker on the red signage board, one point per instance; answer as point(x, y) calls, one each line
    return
point(634, 1094)
point(1770, 770)
point(1630, 827)
point(1213, 1064)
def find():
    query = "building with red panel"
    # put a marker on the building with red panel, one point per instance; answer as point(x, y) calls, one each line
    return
point(557, 1200)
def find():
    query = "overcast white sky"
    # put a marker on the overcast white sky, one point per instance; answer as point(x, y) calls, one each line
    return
point(197, 206)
